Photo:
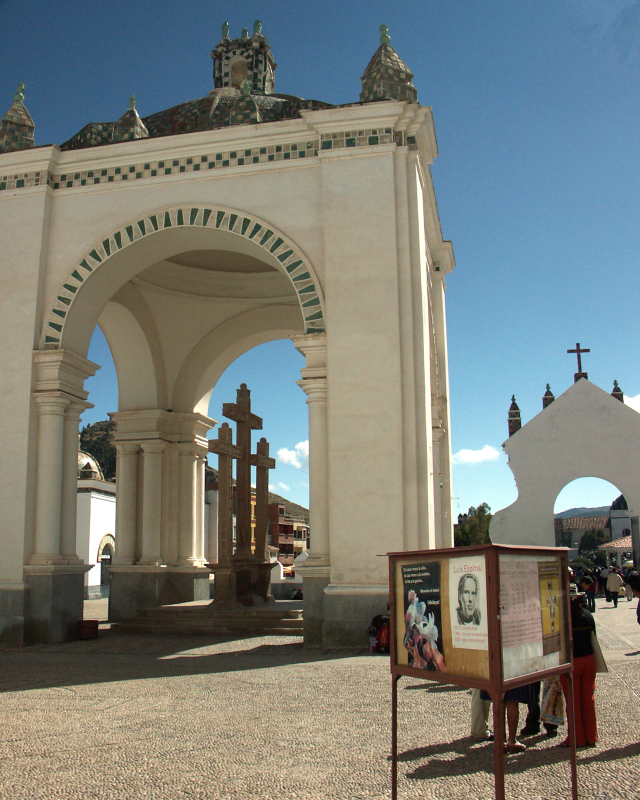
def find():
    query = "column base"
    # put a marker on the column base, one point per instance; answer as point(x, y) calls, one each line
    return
point(55, 602)
point(14, 599)
point(348, 611)
point(137, 587)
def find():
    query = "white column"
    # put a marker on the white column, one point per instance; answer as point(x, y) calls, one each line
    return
point(188, 548)
point(151, 502)
point(212, 553)
point(316, 391)
point(126, 502)
point(51, 411)
point(200, 472)
point(70, 481)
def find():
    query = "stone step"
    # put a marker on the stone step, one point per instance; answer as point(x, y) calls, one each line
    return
point(206, 613)
point(201, 618)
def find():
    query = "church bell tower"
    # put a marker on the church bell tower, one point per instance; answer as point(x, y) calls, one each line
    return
point(244, 65)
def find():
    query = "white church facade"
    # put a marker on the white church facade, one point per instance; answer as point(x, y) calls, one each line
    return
point(190, 236)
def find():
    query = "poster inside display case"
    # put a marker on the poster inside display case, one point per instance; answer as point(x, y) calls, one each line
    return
point(441, 614)
point(532, 614)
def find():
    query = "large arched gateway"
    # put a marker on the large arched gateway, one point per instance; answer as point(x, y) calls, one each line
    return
point(189, 237)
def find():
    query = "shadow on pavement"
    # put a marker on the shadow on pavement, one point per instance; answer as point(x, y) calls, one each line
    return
point(125, 657)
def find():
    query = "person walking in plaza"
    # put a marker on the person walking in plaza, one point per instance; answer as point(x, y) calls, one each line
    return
point(634, 582)
point(614, 582)
point(584, 675)
point(588, 586)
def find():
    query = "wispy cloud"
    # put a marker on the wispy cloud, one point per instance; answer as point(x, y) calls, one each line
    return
point(284, 487)
point(612, 22)
point(298, 457)
point(487, 453)
point(633, 402)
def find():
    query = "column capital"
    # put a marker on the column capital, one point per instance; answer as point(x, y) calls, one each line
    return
point(153, 446)
point(51, 402)
point(127, 448)
point(190, 449)
point(315, 389)
point(311, 344)
point(76, 407)
point(63, 370)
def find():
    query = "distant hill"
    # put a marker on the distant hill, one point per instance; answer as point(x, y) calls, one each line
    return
point(96, 440)
point(291, 509)
point(600, 511)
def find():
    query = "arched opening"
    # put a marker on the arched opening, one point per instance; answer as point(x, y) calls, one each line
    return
point(176, 310)
point(589, 514)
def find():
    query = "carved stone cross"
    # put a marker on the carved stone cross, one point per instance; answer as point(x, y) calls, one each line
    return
point(263, 464)
point(226, 451)
point(240, 413)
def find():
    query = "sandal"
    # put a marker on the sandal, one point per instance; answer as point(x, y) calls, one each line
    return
point(517, 747)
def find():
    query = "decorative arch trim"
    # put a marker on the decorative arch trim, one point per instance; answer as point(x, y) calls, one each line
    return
point(107, 540)
point(294, 262)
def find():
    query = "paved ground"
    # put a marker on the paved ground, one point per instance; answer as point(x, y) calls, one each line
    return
point(128, 716)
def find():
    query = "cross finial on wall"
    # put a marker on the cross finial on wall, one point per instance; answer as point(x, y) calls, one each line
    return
point(579, 351)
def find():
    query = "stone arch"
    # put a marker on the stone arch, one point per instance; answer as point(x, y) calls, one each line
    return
point(107, 541)
point(292, 261)
point(223, 345)
point(133, 340)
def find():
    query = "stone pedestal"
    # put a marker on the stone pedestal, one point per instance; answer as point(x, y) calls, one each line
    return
point(224, 584)
point(14, 597)
point(315, 581)
point(347, 612)
point(55, 602)
point(138, 587)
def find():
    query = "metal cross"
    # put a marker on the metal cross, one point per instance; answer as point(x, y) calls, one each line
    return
point(579, 352)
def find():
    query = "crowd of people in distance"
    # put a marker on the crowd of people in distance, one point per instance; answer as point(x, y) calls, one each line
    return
point(607, 582)
point(544, 701)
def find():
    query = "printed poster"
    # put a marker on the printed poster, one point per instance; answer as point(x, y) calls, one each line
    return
point(422, 616)
point(468, 602)
point(550, 605)
point(520, 602)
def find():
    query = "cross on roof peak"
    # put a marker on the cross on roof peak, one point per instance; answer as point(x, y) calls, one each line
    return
point(579, 351)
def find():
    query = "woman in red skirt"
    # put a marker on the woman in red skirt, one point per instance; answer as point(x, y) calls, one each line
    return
point(584, 675)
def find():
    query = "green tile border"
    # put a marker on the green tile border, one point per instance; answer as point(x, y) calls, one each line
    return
point(296, 265)
point(217, 160)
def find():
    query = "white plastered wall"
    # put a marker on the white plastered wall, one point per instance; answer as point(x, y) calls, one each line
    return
point(584, 433)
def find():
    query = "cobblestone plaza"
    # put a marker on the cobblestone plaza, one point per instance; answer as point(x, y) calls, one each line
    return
point(128, 716)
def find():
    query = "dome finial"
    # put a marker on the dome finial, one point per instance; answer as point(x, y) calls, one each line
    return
point(244, 33)
point(257, 26)
point(19, 94)
point(132, 102)
point(384, 35)
point(225, 30)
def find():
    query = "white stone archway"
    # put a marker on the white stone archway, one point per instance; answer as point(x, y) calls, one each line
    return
point(337, 230)
point(583, 433)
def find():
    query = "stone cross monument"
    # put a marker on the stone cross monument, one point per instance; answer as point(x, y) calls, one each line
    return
point(240, 575)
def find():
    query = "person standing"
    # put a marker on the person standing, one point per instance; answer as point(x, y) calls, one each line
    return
point(589, 588)
point(614, 582)
point(584, 675)
point(634, 582)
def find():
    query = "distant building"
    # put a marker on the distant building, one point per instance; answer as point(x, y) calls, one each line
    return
point(569, 531)
point(95, 525)
point(289, 535)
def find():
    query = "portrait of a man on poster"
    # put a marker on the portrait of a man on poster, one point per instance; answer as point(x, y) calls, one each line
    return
point(468, 611)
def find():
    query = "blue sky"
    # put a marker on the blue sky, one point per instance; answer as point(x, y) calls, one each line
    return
point(536, 109)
